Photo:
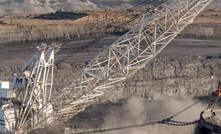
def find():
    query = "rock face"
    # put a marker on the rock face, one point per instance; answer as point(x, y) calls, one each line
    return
point(188, 76)
point(169, 77)
point(43, 6)
point(203, 31)
point(58, 26)
point(47, 6)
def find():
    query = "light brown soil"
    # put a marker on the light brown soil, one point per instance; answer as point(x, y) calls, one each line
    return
point(68, 25)
point(70, 19)
point(209, 16)
point(56, 26)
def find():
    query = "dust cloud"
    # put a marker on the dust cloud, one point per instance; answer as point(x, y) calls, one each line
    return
point(137, 112)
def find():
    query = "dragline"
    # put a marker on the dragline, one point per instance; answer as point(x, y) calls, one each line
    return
point(32, 103)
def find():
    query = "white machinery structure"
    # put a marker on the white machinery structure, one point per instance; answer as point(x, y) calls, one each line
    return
point(35, 107)
point(33, 88)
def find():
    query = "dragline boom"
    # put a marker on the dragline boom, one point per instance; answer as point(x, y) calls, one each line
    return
point(117, 63)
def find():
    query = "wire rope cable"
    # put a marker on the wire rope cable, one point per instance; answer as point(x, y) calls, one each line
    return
point(135, 4)
point(166, 121)
point(100, 37)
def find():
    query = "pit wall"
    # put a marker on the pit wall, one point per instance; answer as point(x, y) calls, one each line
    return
point(26, 30)
point(202, 31)
point(13, 34)
point(43, 30)
point(188, 76)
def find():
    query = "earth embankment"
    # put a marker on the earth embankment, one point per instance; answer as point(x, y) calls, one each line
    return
point(184, 76)
point(67, 25)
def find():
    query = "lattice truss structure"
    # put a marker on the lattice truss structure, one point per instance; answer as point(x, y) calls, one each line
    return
point(117, 63)
point(38, 73)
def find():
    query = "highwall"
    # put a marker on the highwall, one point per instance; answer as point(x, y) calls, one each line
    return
point(14, 34)
point(44, 30)
point(188, 76)
point(202, 31)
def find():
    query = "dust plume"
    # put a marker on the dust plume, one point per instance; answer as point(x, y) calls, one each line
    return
point(136, 112)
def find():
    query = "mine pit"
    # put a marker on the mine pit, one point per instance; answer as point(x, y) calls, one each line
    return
point(128, 88)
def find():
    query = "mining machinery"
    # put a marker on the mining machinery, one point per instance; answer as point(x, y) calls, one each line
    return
point(33, 103)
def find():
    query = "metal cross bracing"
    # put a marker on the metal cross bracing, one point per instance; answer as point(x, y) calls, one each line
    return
point(117, 63)
point(38, 72)
point(111, 26)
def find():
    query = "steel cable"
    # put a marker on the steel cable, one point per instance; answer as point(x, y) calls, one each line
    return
point(167, 121)
point(100, 37)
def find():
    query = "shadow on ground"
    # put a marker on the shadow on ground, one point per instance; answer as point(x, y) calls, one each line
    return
point(61, 15)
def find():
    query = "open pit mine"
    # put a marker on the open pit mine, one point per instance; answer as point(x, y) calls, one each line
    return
point(149, 67)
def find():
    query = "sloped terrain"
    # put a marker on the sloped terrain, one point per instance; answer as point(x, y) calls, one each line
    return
point(47, 6)
point(178, 75)
point(69, 25)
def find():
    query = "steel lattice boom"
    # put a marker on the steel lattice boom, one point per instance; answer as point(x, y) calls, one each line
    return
point(38, 74)
point(118, 62)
